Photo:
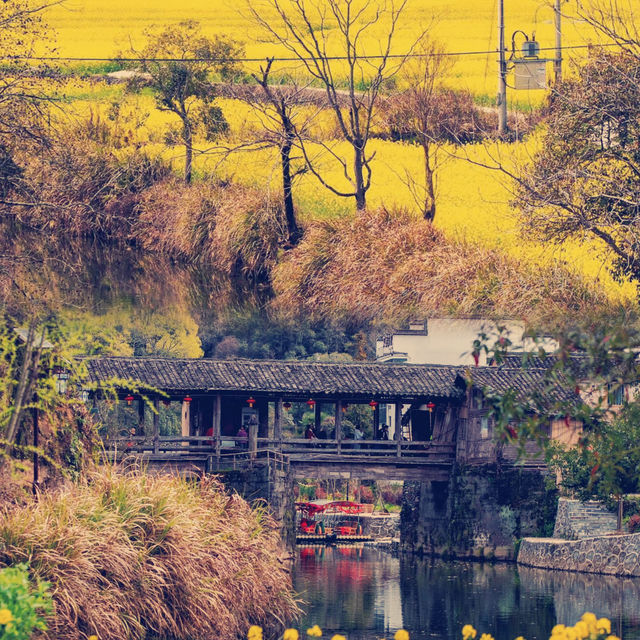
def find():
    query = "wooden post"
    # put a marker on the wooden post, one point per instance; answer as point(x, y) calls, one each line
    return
point(186, 421)
point(253, 440)
point(156, 425)
point(376, 422)
point(317, 418)
point(36, 444)
point(398, 434)
point(263, 417)
point(217, 419)
point(338, 420)
point(141, 417)
point(277, 423)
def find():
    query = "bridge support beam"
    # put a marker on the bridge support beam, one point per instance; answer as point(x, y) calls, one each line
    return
point(141, 417)
point(217, 420)
point(317, 418)
point(156, 425)
point(186, 421)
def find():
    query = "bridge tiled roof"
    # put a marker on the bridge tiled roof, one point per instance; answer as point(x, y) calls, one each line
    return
point(525, 382)
point(286, 377)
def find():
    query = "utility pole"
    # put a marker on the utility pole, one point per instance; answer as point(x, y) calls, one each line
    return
point(557, 62)
point(502, 73)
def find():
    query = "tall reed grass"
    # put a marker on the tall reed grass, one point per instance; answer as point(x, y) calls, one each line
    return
point(130, 554)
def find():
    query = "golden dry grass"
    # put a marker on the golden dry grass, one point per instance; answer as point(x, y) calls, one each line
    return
point(128, 554)
point(390, 267)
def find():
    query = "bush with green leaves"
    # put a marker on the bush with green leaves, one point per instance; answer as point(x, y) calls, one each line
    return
point(22, 604)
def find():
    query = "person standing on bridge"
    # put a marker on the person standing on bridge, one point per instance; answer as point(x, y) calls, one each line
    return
point(242, 437)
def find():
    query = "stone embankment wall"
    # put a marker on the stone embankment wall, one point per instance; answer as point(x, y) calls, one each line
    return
point(268, 484)
point(617, 555)
point(479, 513)
point(576, 520)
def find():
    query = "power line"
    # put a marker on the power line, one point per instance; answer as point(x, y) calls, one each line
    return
point(400, 56)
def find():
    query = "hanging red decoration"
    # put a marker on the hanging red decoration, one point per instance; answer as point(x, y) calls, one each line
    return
point(251, 401)
point(430, 407)
point(129, 399)
point(187, 399)
point(373, 404)
point(311, 402)
point(286, 405)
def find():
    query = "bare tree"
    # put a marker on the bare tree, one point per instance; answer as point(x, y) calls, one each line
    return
point(582, 181)
point(328, 37)
point(415, 114)
point(286, 111)
point(23, 103)
point(616, 20)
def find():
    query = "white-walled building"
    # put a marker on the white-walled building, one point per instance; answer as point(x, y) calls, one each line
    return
point(446, 341)
point(442, 341)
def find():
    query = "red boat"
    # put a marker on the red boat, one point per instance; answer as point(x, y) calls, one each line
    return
point(310, 526)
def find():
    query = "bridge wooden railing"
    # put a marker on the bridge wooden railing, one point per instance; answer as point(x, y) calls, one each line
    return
point(226, 447)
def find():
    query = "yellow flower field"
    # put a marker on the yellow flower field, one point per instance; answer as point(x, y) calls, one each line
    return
point(91, 28)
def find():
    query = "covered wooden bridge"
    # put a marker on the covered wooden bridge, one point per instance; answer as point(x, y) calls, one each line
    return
point(237, 407)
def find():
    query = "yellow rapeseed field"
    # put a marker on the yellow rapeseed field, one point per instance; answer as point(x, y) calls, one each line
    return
point(93, 28)
point(473, 202)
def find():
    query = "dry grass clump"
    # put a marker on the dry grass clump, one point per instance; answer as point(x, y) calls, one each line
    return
point(130, 554)
point(232, 229)
point(389, 266)
point(81, 185)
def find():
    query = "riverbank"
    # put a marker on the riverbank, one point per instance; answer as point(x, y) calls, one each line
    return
point(616, 555)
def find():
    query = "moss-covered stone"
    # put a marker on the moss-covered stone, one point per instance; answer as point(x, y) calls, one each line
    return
point(481, 507)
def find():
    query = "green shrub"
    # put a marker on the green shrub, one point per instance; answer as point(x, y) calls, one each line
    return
point(21, 604)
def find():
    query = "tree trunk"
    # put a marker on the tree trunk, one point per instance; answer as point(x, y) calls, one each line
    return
point(429, 208)
point(620, 512)
point(28, 377)
point(293, 230)
point(358, 168)
point(187, 138)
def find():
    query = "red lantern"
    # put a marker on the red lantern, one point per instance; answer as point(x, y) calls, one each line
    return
point(129, 399)
point(373, 404)
point(286, 405)
point(311, 402)
point(430, 407)
point(187, 399)
point(251, 401)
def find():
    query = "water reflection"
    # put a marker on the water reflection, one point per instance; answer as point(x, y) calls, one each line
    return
point(367, 594)
point(38, 271)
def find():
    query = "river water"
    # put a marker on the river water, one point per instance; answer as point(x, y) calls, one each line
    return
point(366, 594)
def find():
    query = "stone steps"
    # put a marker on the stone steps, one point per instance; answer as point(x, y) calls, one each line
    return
point(576, 519)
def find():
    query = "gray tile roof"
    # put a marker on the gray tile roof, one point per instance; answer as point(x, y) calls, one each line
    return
point(288, 377)
point(525, 382)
